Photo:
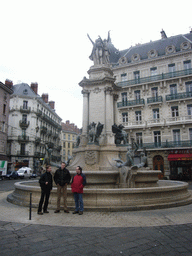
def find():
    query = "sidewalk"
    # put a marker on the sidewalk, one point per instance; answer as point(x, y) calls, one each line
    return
point(154, 232)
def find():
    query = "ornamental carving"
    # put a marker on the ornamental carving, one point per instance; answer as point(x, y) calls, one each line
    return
point(90, 157)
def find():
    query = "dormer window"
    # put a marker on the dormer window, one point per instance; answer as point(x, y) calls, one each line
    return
point(152, 54)
point(185, 46)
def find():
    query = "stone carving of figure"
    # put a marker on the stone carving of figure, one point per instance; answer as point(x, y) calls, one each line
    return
point(94, 132)
point(120, 134)
point(100, 52)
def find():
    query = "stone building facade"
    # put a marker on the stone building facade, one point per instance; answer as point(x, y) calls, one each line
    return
point(34, 128)
point(5, 92)
point(154, 101)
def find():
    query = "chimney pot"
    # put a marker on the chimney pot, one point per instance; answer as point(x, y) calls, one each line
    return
point(34, 87)
point(45, 97)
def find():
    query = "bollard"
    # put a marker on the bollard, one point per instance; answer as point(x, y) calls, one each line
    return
point(30, 205)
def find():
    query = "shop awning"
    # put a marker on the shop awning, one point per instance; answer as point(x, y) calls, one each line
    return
point(180, 157)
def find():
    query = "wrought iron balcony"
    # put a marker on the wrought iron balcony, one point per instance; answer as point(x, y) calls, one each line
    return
point(23, 138)
point(38, 154)
point(131, 103)
point(167, 144)
point(25, 110)
point(154, 99)
point(178, 96)
point(50, 145)
point(24, 124)
point(43, 129)
point(163, 76)
point(37, 140)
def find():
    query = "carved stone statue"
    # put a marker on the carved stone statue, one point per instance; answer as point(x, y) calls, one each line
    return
point(120, 134)
point(100, 52)
point(94, 132)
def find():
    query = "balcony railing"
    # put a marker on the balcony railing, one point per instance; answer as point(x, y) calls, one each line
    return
point(155, 99)
point(159, 121)
point(38, 154)
point(37, 140)
point(131, 103)
point(22, 153)
point(167, 144)
point(179, 96)
point(23, 138)
point(39, 112)
point(25, 110)
point(162, 76)
point(24, 124)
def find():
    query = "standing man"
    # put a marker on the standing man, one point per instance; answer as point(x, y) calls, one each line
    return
point(46, 183)
point(62, 177)
point(78, 183)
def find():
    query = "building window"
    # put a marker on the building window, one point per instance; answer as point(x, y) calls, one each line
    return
point(68, 144)
point(125, 117)
point(171, 68)
point(187, 64)
point(4, 109)
point(137, 95)
point(22, 148)
point(188, 86)
point(24, 119)
point(23, 133)
point(124, 96)
point(25, 104)
point(174, 111)
point(173, 89)
point(64, 136)
point(136, 76)
point(139, 139)
point(156, 113)
point(3, 126)
point(190, 134)
point(153, 71)
point(64, 144)
point(124, 77)
point(157, 138)
point(138, 116)
point(176, 136)
point(189, 110)
point(68, 136)
point(154, 92)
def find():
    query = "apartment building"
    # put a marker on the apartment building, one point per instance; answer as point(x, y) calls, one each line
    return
point(34, 128)
point(154, 101)
point(68, 139)
point(5, 92)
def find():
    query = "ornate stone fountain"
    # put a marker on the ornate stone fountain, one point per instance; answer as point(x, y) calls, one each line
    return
point(117, 176)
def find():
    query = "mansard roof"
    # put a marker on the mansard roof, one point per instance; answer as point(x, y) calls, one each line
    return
point(24, 89)
point(160, 47)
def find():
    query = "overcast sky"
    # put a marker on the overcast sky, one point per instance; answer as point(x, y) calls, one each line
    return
point(46, 41)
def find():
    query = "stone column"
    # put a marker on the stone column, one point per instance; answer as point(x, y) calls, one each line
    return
point(85, 111)
point(109, 116)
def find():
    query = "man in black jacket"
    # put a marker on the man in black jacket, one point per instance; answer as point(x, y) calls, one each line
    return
point(46, 183)
point(62, 177)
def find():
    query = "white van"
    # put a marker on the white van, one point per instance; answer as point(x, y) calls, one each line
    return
point(24, 172)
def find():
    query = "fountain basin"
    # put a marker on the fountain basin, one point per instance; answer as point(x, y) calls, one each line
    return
point(165, 194)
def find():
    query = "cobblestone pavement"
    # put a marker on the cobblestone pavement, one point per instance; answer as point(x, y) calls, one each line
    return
point(153, 232)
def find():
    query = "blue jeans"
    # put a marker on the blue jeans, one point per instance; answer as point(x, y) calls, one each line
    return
point(78, 202)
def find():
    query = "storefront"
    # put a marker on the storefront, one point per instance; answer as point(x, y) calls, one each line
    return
point(180, 164)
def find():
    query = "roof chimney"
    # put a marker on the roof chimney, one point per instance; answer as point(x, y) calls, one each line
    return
point(9, 83)
point(34, 87)
point(45, 97)
point(52, 104)
point(163, 34)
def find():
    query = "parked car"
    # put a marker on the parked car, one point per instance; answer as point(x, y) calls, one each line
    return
point(12, 175)
point(33, 175)
point(24, 172)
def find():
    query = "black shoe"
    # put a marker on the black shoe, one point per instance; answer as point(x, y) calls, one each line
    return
point(66, 211)
point(56, 211)
point(40, 213)
point(45, 211)
point(80, 213)
point(75, 212)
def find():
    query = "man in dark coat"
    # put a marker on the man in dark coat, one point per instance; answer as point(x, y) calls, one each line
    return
point(46, 183)
point(62, 178)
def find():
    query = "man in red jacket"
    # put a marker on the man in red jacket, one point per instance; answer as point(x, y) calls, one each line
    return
point(78, 183)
